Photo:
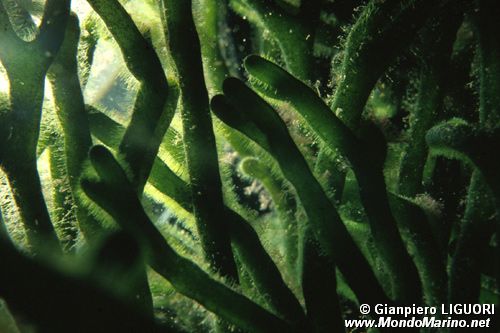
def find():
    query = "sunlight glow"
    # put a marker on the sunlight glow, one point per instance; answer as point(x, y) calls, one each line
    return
point(4, 81)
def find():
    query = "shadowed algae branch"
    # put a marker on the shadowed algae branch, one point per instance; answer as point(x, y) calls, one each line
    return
point(246, 165)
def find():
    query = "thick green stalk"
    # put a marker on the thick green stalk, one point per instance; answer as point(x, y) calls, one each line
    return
point(243, 238)
point(207, 14)
point(168, 183)
point(73, 118)
point(161, 177)
point(480, 209)
point(3, 228)
point(406, 284)
point(469, 256)
point(275, 82)
point(366, 156)
point(447, 180)
point(461, 101)
point(209, 18)
point(457, 139)
point(26, 64)
point(418, 235)
point(40, 293)
point(63, 214)
point(116, 195)
point(472, 144)
point(285, 204)
point(19, 163)
point(260, 123)
point(88, 46)
point(149, 121)
point(314, 268)
point(489, 53)
point(489, 111)
point(264, 272)
point(293, 33)
point(331, 172)
point(382, 31)
point(448, 184)
point(199, 138)
point(119, 266)
point(437, 44)
point(74, 121)
point(70, 108)
point(69, 102)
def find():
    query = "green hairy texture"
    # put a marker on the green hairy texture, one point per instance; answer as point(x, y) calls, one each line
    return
point(26, 76)
point(72, 116)
point(259, 122)
point(199, 139)
point(430, 96)
point(293, 33)
point(458, 139)
point(284, 201)
point(144, 64)
point(383, 28)
point(247, 165)
point(332, 130)
point(113, 191)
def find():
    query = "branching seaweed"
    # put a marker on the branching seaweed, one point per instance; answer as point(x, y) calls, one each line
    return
point(249, 165)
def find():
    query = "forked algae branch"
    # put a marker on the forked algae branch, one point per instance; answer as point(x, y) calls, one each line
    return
point(249, 165)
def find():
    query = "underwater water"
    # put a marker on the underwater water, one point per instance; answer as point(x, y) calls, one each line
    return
point(249, 166)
